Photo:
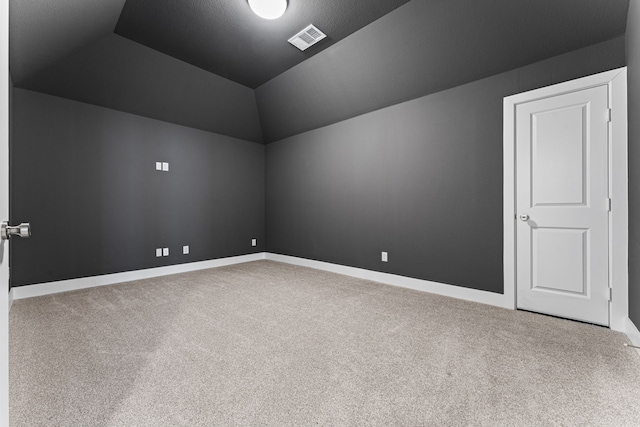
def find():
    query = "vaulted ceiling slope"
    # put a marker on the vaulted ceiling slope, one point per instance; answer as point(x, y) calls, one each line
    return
point(42, 32)
point(120, 74)
point(68, 48)
point(226, 38)
point(221, 36)
point(430, 45)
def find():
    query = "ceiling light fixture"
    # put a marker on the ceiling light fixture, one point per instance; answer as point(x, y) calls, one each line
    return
point(268, 9)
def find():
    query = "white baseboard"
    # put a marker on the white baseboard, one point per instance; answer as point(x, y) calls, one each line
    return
point(633, 333)
point(468, 294)
point(40, 289)
point(459, 292)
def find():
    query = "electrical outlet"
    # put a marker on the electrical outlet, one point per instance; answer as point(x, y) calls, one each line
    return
point(185, 250)
point(385, 257)
point(254, 242)
point(158, 166)
point(165, 251)
point(158, 252)
point(165, 166)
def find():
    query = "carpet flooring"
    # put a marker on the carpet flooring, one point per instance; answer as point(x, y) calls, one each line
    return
point(270, 344)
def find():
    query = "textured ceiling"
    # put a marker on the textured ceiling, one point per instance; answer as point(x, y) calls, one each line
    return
point(397, 50)
point(228, 39)
point(431, 45)
point(45, 31)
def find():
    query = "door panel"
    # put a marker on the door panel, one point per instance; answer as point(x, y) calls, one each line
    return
point(559, 257)
point(558, 155)
point(4, 212)
point(562, 188)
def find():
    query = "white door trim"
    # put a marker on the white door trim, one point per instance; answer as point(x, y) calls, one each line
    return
point(4, 182)
point(618, 182)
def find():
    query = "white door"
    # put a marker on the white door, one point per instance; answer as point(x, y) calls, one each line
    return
point(562, 205)
point(4, 212)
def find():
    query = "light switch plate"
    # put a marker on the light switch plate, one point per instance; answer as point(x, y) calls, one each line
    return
point(165, 166)
point(165, 251)
point(158, 166)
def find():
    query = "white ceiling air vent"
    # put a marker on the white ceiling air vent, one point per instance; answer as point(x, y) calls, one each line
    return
point(307, 37)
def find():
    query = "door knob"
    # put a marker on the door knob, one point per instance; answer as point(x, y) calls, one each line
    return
point(524, 217)
point(23, 230)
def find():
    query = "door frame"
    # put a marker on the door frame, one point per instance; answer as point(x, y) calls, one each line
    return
point(616, 80)
point(4, 182)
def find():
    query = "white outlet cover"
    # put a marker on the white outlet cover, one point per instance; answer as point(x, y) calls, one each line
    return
point(165, 251)
point(159, 252)
point(185, 250)
point(158, 166)
point(165, 166)
point(385, 257)
point(254, 242)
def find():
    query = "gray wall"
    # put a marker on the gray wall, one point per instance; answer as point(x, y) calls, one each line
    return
point(118, 73)
point(421, 180)
point(85, 177)
point(633, 64)
point(395, 59)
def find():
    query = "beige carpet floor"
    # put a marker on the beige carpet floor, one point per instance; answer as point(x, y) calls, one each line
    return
point(269, 344)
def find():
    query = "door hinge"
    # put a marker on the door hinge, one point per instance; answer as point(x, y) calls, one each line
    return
point(609, 203)
point(609, 114)
point(610, 294)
